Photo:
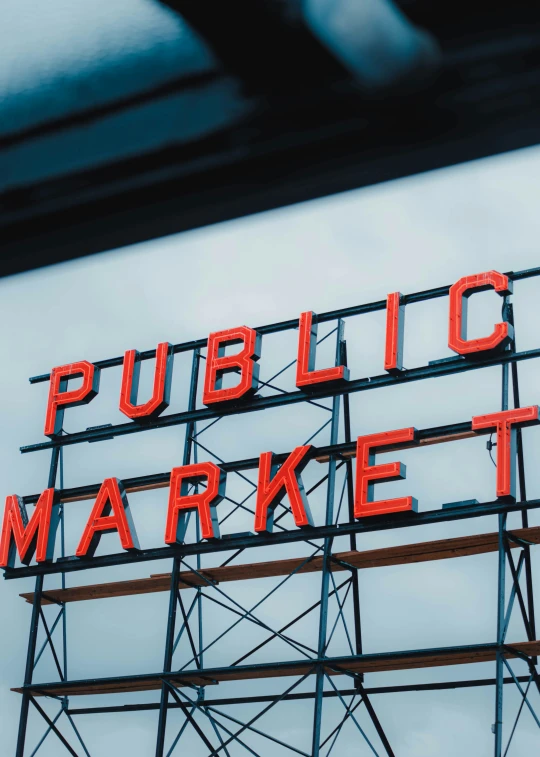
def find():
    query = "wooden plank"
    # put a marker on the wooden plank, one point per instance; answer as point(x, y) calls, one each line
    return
point(121, 686)
point(442, 549)
point(374, 663)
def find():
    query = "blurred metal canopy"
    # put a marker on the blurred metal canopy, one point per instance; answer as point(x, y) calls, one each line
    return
point(123, 122)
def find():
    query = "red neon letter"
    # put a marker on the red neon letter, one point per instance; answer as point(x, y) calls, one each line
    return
point(457, 331)
point(505, 423)
point(205, 501)
point(395, 325)
point(217, 363)
point(274, 482)
point(306, 375)
point(111, 497)
point(28, 536)
point(162, 384)
point(367, 473)
point(60, 398)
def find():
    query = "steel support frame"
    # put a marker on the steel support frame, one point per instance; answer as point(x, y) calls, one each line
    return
point(38, 620)
point(174, 698)
point(325, 575)
point(174, 596)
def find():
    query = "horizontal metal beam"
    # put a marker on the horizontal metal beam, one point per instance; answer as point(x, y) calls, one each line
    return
point(441, 686)
point(426, 436)
point(330, 315)
point(374, 523)
point(351, 665)
point(432, 370)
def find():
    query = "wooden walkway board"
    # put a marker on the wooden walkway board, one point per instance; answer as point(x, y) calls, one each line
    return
point(362, 664)
point(409, 553)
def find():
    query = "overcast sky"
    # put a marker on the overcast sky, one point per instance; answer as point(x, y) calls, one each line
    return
point(409, 235)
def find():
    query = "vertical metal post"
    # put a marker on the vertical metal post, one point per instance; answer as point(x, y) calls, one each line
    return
point(192, 404)
point(350, 501)
point(499, 674)
point(173, 602)
point(323, 617)
point(189, 448)
point(499, 671)
point(524, 513)
point(523, 490)
point(354, 574)
point(34, 627)
point(167, 663)
point(63, 554)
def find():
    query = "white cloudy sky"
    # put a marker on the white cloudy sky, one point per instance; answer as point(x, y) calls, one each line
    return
point(409, 235)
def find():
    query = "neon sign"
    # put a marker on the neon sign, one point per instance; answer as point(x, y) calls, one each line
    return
point(34, 536)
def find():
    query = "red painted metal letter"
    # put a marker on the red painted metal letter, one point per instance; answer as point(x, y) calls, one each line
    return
point(205, 501)
point(505, 423)
point(110, 513)
point(162, 384)
point(395, 326)
point(457, 330)
point(367, 473)
point(244, 362)
point(60, 398)
point(273, 483)
point(306, 375)
point(28, 536)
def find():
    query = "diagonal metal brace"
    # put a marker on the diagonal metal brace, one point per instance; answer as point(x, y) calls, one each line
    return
point(53, 727)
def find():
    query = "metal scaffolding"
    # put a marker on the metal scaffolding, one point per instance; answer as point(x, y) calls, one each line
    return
point(193, 588)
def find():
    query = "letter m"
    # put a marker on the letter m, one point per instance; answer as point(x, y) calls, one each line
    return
point(28, 536)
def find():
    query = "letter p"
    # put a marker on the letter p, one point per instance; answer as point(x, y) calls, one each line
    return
point(60, 397)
